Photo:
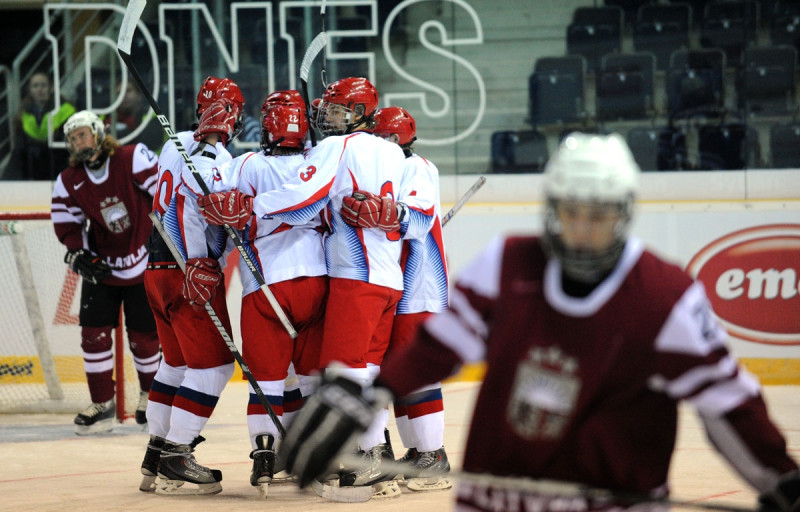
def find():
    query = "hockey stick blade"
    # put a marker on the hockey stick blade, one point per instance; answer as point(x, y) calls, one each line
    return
point(467, 195)
point(316, 46)
point(223, 332)
point(338, 494)
point(132, 14)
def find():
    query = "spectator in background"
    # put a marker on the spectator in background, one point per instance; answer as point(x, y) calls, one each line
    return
point(31, 156)
point(134, 111)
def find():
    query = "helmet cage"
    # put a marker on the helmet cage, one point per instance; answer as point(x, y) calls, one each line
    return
point(583, 265)
point(336, 119)
point(357, 101)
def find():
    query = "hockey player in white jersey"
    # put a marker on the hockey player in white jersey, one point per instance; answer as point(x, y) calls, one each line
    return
point(197, 363)
point(420, 415)
point(292, 262)
point(363, 264)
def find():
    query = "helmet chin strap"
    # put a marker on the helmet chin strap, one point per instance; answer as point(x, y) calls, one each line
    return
point(98, 162)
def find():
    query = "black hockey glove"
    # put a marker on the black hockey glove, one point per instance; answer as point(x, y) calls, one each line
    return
point(338, 411)
point(87, 265)
point(785, 497)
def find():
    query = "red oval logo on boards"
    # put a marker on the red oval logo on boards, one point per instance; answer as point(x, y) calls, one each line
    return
point(752, 278)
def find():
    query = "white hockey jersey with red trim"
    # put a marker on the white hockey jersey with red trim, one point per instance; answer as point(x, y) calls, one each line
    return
point(176, 199)
point(280, 250)
point(333, 169)
point(424, 264)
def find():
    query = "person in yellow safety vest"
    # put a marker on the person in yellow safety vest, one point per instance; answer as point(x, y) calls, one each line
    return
point(31, 156)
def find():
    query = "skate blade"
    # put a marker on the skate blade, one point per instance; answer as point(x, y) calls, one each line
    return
point(331, 491)
point(385, 490)
point(263, 490)
point(148, 483)
point(166, 487)
point(434, 483)
point(283, 477)
point(100, 427)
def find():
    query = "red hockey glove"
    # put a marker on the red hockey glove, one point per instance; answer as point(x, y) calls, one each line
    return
point(232, 208)
point(202, 278)
point(366, 210)
point(220, 118)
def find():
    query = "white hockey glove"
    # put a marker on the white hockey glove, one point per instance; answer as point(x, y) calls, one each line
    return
point(339, 410)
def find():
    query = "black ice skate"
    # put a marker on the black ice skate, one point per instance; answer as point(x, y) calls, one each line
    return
point(95, 419)
point(429, 472)
point(150, 464)
point(177, 466)
point(264, 460)
point(408, 459)
point(373, 473)
point(141, 408)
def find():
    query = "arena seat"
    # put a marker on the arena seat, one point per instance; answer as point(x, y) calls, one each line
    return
point(518, 151)
point(624, 86)
point(594, 32)
point(661, 29)
point(556, 90)
point(767, 81)
point(694, 83)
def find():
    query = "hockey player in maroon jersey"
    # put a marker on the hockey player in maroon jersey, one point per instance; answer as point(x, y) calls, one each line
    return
point(197, 362)
point(590, 341)
point(99, 211)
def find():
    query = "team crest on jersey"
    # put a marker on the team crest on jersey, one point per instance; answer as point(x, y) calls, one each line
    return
point(544, 394)
point(115, 214)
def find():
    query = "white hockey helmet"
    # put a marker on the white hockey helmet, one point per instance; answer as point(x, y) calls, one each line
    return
point(596, 169)
point(84, 118)
point(592, 167)
point(78, 120)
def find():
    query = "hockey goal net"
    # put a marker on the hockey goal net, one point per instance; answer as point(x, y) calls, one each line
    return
point(41, 363)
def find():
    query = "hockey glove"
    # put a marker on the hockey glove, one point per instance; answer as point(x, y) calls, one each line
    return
point(221, 118)
point(202, 278)
point(785, 497)
point(338, 411)
point(90, 267)
point(232, 208)
point(366, 210)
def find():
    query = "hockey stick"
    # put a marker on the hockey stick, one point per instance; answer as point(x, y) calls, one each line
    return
point(132, 14)
point(316, 46)
point(546, 488)
point(221, 328)
point(469, 193)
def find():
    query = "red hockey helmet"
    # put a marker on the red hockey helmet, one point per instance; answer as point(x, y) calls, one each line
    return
point(214, 88)
point(283, 125)
point(389, 120)
point(345, 103)
point(290, 97)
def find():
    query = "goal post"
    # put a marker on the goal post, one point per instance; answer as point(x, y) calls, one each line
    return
point(41, 362)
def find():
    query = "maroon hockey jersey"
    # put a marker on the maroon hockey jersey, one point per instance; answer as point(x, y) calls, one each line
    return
point(108, 214)
point(587, 389)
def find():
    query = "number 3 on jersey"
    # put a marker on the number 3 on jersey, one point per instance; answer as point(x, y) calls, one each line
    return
point(308, 173)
